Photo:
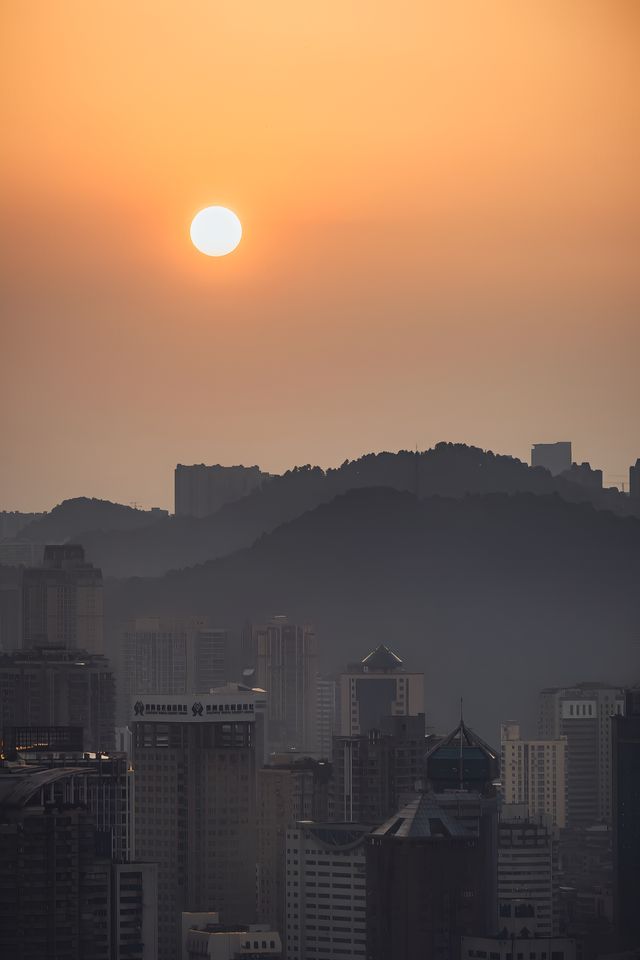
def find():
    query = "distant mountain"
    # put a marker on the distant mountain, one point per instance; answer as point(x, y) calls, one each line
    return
point(493, 596)
point(71, 518)
point(452, 470)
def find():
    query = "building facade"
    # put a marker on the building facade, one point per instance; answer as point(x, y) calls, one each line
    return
point(326, 891)
point(287, 791)
point(195, 807)
point(626, 819)
point(200, 490)
point(51, 687)
point(327, 715)
point(634, 480)
point(554, 457)
point(377, 687)
point(284, 656)
point(168, 655)
point(519, 948)
point(534, 772)
point(527, 874)
point(425, 885)
point(62, 602)
point(583, 714)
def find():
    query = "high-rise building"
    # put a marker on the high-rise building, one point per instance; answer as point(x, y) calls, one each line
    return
point(425, 885)
point(168, 655)
point(288, 790)
point(326, 891)
point(634, 480)
point(326, 715)
point(284, 656)
point(200, 490)
point(195, 805)
point(62, 604)
point(534, 772)
point(134, 911)
point(56, 687)
point(375, 774)
point(582, 714)
point(376, 687)
point(527, 874)
point(626, 819)
point(554, 457)
point(461, 761)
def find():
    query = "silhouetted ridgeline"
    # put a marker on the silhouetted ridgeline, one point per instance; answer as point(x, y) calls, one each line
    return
point(71, 518)
point(493, 596)
point(452, 470)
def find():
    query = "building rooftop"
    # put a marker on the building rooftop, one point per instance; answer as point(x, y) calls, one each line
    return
point(421, 817)
point(382, 659)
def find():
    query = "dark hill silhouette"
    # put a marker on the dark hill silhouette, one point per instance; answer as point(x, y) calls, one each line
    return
point(71, 518)
point(493, 596)
point(448, 469)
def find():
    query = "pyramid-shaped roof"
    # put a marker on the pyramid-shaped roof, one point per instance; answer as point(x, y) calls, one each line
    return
point(422, 817)
point(465, 739)
point(383, 659)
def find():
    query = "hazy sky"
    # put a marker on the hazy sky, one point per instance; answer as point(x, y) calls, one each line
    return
point(440, 205)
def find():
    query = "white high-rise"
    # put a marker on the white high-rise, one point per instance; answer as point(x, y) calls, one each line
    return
point(534, 772)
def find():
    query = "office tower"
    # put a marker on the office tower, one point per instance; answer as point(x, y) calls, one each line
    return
point(134, 911)
point(508, 948)
point(287, 790)
point(554, 457)
point(461, 761)
point(527, 874)
point(376, 687)
point(626, 819)
point(205, 935)
point(66, 842)
point(55, 687)
point(634, 480)
point(200, 490)
point(326, 715)
point(582, 714)
point(195, 806)
point(375, 774)
point(534, 772)
point(425, 885)
point(326, 891)
point(10, 609)
point(284, 656)
point(62, 602)
point(171, 655)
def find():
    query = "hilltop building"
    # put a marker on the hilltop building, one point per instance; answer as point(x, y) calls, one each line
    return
point(554, 457)
point(200, 490)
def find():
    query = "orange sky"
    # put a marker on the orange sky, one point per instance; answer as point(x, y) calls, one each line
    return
point(440, 205)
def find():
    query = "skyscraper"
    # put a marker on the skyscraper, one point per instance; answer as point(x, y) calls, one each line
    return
point(288, 790)
point(534, 772)
point(326, 891)
point(167, 655)
point(56, 687)
point(634, 480)
point(425, 885)
point(284, 655)
point(582, 714)
point(527, 873)
point(554, 457)
point(376, 687)
point(194, 762)
point(62, 602)
point(626, 819)
point(326, 715)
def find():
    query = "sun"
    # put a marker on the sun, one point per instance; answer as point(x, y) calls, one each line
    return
point(216, 231)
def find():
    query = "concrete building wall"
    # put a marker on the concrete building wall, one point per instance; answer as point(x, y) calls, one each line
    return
point(534, 772)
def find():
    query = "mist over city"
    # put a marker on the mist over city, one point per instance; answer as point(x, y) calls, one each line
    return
point(320, 481)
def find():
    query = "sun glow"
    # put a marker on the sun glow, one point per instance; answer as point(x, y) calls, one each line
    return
point(216, 231)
